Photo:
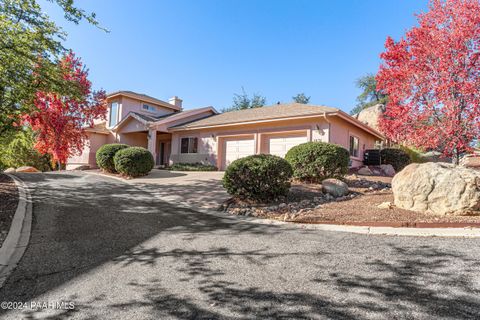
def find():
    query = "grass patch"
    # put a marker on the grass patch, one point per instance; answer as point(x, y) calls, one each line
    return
point(192, 167)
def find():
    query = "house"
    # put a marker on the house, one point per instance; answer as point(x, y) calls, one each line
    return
point(174, 135)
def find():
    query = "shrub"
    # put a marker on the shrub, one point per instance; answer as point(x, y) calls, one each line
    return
point(105, 154)
point(317, 161)
point(261, 177)
point(192, 167)
point(398, 158)
point(133, 161)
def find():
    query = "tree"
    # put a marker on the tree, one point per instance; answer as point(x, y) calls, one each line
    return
point(243, 101)
point(16, 150)
point(370, 96)
point(301, 98)
point(432, 78)
point(59, 121)
point(30, 46)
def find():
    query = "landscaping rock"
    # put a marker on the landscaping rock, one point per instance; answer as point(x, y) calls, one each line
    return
point(438, 188)
point(335, 187)
point(365, 171)
point(370, 115)
point(9, 170)
point(386, 205)
point(388, 170)
point(27, 169)
point(470, 161)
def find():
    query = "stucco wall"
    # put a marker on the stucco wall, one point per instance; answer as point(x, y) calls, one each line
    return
point(333, 130)
point(137, 139)
point(95, 141)
point(129, 105)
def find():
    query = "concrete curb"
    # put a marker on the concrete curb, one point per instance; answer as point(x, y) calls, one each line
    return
point(467, 232)
point(18, 236)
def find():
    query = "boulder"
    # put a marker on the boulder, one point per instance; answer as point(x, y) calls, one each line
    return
point(370, 115)
point(27, 169)
point(9, 170)
point(335, 187)
point(365, 171)
point(437, 188)
point(388, 169)
point(470, 161)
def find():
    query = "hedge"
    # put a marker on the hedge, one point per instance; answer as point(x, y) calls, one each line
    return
point(192, 167)
point(105, 154)
point(398, 158)
point(317, 161)
point(133, 161)
point(259, 177)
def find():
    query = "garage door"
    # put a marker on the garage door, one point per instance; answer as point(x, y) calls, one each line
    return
point(235, 149)
point(279, 146)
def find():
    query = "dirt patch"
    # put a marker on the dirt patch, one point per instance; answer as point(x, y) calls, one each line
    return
point(361, 207)
point(8, 204)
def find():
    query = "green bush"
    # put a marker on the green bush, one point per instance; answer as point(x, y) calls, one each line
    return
point(192, 167)
point(133, 161)
point(261, 177)
point(398, 158)
point(17, 150)
point(317, 161)
point(105, 154)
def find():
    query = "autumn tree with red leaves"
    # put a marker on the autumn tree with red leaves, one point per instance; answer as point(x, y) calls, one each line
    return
point(432, 78)
point(60, 121)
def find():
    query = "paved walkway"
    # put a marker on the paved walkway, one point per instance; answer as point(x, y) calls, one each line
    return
point(120, 252)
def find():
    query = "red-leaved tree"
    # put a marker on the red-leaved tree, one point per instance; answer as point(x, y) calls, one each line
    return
point(432, 78)
point(60, 121)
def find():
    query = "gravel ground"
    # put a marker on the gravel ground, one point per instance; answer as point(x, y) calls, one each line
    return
point(8, 204)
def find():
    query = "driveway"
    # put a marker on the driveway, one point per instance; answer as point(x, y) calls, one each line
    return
point(121, 252)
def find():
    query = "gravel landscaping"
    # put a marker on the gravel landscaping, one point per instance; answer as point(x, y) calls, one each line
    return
point(8, 204)
point(306, 203)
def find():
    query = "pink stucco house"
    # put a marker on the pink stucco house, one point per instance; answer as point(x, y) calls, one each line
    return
point(175, 135)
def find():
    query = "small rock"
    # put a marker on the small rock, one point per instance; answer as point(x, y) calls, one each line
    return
point(272, 208)
point(9, 170)
point(388, 169)
point(282, 205)
point(365, 171)
point(386, 205)
point(335, 187)
point(27, 169)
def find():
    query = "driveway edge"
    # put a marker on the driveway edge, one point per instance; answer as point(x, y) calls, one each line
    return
point(15, 244)
point(466, 232)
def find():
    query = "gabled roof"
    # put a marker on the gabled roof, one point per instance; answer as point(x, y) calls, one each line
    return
point(278, 111)
point(142, 97)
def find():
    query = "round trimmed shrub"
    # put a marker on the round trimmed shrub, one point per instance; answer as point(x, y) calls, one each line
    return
point(317, 161)
point(398, 158)
point(105, 154)
point(133, 161)
point(262, 177)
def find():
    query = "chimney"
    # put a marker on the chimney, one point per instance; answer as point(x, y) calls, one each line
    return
point(176, 101)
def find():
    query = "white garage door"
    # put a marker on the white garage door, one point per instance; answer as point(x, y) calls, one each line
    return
point(279, 146)
point(235, 149)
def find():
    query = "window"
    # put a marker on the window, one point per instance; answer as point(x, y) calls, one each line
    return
point(113, 114)
point(149, 108)
point(354, 146)
point(189, 145)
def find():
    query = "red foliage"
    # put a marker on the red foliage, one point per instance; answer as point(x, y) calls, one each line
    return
point(432, 78)
point(60, 121)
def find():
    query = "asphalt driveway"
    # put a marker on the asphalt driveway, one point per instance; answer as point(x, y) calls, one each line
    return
point(119, 251)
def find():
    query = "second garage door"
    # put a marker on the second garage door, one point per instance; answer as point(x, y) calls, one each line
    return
point(279, 146)
point(235, 149)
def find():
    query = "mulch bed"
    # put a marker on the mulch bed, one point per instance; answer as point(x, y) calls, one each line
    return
point(8, 204)
point(363, 210)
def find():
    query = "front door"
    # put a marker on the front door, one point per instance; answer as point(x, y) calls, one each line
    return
point(161, 154)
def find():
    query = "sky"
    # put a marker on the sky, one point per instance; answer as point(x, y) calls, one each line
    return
point(205, 51)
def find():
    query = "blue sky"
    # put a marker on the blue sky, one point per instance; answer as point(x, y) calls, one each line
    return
point(204, 51)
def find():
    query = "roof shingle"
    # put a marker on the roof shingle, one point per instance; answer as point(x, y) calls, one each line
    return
point(277, 111)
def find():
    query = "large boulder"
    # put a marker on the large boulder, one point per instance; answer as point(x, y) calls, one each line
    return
point(335, 187)
point(27, 169)
point(437, 188)
point(371, 115)
point(470, 161)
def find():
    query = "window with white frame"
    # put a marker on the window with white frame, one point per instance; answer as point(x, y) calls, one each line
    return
point(113, 114)
point(148, 107)
point(189, 145)
point(354, 143)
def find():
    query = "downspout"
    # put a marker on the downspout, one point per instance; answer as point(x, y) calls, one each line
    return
point(329, 125)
